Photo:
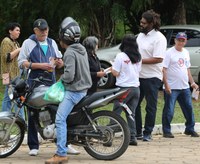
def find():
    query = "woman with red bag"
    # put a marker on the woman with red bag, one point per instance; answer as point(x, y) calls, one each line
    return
point(9, 52)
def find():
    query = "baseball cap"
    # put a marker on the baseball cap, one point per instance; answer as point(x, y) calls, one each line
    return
point(41, 24)
point(181, 35)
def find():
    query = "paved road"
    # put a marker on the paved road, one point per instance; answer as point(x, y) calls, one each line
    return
point(180, 150)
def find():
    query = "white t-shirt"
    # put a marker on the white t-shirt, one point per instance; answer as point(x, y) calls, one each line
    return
point(153, 44)
point(129, 73)
point(177, 63)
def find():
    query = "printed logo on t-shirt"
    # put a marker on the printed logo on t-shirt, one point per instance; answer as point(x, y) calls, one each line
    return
point(181, 62)
point(127, 61)
point(186, 62)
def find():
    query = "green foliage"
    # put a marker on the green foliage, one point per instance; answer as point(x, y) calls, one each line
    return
point(117, 12)
point(1, 93)
point(96, 17)
point(120, 31)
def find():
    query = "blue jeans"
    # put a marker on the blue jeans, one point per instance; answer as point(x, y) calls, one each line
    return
point(7, 104)
point(131, 100)
point(65, 107)
point(149, 90)
point(184, 99)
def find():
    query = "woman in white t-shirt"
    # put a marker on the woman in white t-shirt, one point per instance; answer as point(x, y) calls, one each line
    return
point(126, 68)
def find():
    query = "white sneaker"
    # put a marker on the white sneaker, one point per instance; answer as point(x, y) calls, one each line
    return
point(72, 151)
point(33, 152)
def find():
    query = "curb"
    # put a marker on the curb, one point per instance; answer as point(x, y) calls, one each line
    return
point(175, 129)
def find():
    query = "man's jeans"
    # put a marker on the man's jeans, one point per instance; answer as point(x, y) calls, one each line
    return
point(64, 109)
point(33, 116)
point(149, 89)
point(6, 104)
point(131, 100)
point(184, 99)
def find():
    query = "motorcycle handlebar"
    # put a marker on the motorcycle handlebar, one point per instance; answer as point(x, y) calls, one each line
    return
point(44, 79)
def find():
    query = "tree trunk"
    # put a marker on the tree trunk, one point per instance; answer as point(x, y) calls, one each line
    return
point(180, 13)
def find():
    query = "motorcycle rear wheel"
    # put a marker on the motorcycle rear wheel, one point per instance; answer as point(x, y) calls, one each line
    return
point(15, 138)
point(116, 136)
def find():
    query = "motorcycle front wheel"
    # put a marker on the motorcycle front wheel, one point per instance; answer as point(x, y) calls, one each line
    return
point(114, 138)
point(14, 139)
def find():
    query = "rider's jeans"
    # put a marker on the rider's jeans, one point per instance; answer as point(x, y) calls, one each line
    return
point(183, 97)
point(6, 104)
point(65, 107)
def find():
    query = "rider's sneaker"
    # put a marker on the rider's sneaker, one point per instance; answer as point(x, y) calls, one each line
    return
point(33, 152)
point(72, 151)
point(56, 159)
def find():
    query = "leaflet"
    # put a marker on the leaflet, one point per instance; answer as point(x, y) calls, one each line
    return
point(195, 94)
point(107, 70)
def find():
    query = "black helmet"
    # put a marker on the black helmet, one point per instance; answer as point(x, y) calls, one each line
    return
point(69, 31)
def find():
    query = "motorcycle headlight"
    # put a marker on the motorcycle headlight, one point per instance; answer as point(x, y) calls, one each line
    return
point(11, 92)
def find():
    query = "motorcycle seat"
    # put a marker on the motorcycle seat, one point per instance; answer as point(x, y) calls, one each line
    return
point(87, 100)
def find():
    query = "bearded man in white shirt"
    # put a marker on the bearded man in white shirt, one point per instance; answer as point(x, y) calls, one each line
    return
point(152, 46)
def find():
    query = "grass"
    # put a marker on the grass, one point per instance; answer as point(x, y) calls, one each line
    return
point(178, 115)
point(1, 92)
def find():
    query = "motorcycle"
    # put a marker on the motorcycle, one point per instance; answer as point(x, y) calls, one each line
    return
point(103, 134)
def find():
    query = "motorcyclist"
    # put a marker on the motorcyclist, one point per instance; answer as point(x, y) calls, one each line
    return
point(76, 79)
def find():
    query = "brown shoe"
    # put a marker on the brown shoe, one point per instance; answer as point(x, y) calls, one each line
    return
point(56, 159)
